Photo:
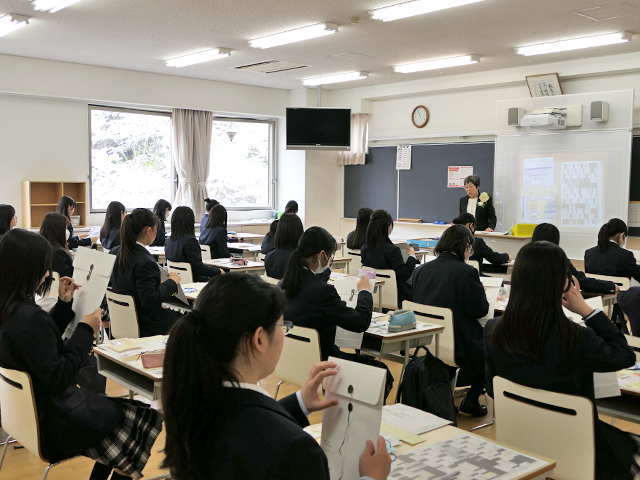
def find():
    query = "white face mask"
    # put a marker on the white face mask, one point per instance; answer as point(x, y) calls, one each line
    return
point(320, 268)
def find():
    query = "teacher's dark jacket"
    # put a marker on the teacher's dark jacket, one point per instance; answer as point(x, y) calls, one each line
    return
point(600, 347)
point(275, 262)
point(142, 282)
point(390, 258)
point(187, 249)
point(61, 262)
point(75, 241)
point(615, 261)
point(448, 282)
point(216, 238)
point(71, 419)
point(319, 306)
point(111, 240)
point(485, 215)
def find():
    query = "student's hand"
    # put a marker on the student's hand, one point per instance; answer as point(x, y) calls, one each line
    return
point(93, 320)
point(84, 236)
point(94, 239)
point(66, 289)
point(175, 277)
point(488, 230)
point(375, 464)
point(363, 283)
point(617, 289)
point(574, 302)
point(309, 391)
point(510, 258)
point(411, 251)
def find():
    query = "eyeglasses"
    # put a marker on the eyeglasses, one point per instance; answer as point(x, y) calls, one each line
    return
point(286, 326)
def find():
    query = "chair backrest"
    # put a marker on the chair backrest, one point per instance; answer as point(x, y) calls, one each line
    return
point(123, 314)
point(635, 343)
point(438, 316)
point(555, 425)
point(390, 290)
point(261, 256)
point(623, 282)
point(300, 352)
point(19, 414)
point(55, 283)
point(183, 269)
point(475, 264)
point(271, 280)
point(206, 252)
point(356, 261)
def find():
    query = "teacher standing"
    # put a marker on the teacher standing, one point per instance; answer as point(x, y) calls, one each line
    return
point(480, 205)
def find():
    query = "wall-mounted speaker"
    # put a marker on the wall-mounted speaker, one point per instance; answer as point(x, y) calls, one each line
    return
point(514, 116)
point(599, 111)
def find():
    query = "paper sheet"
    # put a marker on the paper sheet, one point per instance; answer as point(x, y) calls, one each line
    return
point(411, 419)
point(407, 437)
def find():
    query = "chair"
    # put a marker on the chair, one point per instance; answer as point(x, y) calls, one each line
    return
point(183, 269)
point(356, 261)
point(634, 342)
point(390, 290)
point(554, 425)
point(124, 318)
point(622, 282)
point(475, 264)
point(261, 257)
point(271, 280)
point(300, 352)
point(55, 284)
point(206, 252)
point(442, 317)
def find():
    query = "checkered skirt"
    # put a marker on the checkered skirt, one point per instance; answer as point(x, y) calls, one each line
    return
point(128, 446)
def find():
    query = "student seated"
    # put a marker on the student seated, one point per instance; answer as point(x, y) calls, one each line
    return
point(117, 433)
point(291, 207)
point(183, 246)
point(312, 302)
point(480, 248)
point(110, 231)
point(288, 235)
point(215, 233)
point(67, 207)
point(610, 257)
point(161, 209)
point(379, 252)
point(54, 230)
point(8, 219)
point(136, 273)
point(208, 206)
point(357, 238)
point(268, 242)
point(550, 233)
point(220, 422)
point(448, 282)
point(534, 344)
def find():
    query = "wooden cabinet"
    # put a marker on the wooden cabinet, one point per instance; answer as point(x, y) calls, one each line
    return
point(40, 198)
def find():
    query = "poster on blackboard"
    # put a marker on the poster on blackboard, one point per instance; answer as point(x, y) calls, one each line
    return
point(403, 157)
point(457, 175)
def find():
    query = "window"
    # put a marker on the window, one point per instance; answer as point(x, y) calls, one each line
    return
point(240, 168)
point(130, 157)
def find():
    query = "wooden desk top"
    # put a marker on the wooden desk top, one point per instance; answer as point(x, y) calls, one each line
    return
point(508, 237)
point(247, 235)
point(227, 265)
point(341, 276)
point(132, 362)
point(629, 390)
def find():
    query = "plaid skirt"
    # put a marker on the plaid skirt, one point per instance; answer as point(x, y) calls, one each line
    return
point(128, 446)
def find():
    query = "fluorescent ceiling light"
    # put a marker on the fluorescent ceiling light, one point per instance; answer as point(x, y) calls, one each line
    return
point(417, 7)
point(342, 77)
point(297, 35)
point(10, 23)
point(199, 57)
point(575, 44)
point(52, 5)
point(437, 64)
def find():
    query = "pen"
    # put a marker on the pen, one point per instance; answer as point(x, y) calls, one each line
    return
point(449, 476)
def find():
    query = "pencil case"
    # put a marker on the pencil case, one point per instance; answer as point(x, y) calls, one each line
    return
point(152, 360)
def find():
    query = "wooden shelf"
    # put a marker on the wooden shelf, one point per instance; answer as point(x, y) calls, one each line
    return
point(40, 198)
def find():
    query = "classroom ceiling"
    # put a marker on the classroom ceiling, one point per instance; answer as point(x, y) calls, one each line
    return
point(142, 34)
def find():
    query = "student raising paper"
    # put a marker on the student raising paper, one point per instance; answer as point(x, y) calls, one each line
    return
point(287, 236)
point(110, 231)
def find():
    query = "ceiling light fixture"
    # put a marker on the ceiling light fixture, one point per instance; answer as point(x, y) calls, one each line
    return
point(437, 64)
point(52, 5)
point(12, 22)
point(417, 7)
point(342, 77)
point(200, 57)
point(297, 35)
point(575, 44)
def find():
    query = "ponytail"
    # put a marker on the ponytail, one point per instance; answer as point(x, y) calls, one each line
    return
point(132, 225)
point(610, 229)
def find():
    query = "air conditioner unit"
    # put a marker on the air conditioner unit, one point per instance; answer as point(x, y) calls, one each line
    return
point(544, 121)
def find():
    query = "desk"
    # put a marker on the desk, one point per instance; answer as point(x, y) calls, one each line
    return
point(510, 244)
point(249, 250)
point(255, 238)
point(254, 268)
point(341, 264)
point(625, 407)
point(158, 252)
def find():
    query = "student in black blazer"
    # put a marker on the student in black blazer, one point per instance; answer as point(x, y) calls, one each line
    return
point(481, 250)
point(110, 231)
point(215, 233)
point(136, 273)
point(480, 205)
point(534, 344)
point(448, 282)
point(220, 422)
point(161, 209)
point(67, 207)
point(8, 219)
point(312, 302)
point(72, 420)
point(182, 245)
point(54, 229)
point(610, 257)
point(268, 242)
point(357, 238)
point(380, 252)
point(286, 240)
point(208, 206)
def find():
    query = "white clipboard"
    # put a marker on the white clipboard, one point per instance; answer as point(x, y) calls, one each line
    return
point(164, 276)
point(347, 288)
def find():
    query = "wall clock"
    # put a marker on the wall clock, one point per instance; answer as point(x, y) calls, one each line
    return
point(420, 116)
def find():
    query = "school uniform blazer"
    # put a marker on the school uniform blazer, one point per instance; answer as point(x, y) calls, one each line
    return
point(481, 251)
point(161, 235)
point(275, 263)
point(319, 306)
point(142, 282)
point(75, 241)
point(2, 235)
point(203, 221)
point(61, 262)
point(268, 244)
point(592, 285)
point(629, 301)
point(600, 347)
point(187, 249)
point(449, 282)
point(71, 419)
point(615, 261)
point(216, 238)
point(111, 240)
point(485, 216)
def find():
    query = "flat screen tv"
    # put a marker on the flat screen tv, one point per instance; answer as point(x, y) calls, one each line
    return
point(318, 129)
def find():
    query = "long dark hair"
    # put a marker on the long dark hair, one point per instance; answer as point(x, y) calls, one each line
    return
point(25, 258)
point(182, 223)
point(378, 229)
point(160, 209)
point(209, 204)
point(217, 217)
point(200, 353)
point(63, 205)
point(7, 213)
point(289, 231)
point(54, 229)
point(132, 225)
point(112, 219)
point(455, 240)
point(312, 242)
point(291, 207)
point(538, 282)
point(272, 230)
point(360, 236)
point(546, 232)
point(610, 229)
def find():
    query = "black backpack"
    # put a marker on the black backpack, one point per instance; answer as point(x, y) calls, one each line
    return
point(427, 385)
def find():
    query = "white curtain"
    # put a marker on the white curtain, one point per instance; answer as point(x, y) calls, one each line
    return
point(359, 141)
point(191, 151)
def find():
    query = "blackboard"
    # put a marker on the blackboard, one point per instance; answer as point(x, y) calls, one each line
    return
point(634, 187)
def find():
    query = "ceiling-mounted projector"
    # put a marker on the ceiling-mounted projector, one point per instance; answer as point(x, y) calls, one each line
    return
point(549, 121)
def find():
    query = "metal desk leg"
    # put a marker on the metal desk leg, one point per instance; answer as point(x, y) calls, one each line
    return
point(404, 366)
point(437, 346)
point(380, 298)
